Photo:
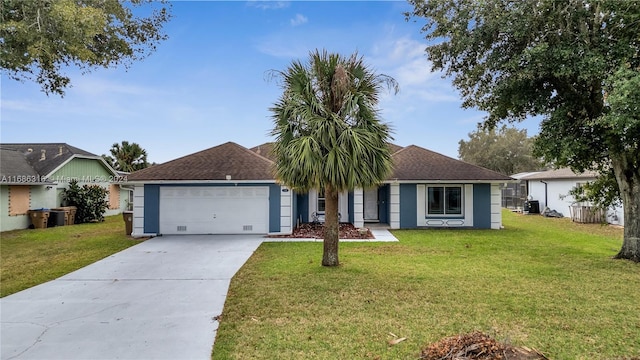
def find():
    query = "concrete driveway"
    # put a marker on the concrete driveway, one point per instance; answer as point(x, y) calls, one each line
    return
point(155, 300)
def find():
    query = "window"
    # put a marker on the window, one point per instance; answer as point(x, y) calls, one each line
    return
point(114, 196)
point(321, 202)
point(444, 200)
point(19, 200)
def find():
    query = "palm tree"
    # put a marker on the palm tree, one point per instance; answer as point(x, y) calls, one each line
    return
point(328, 132)
point(127, 157)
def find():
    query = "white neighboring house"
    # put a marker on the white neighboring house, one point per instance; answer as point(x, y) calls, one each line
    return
point(551, 188)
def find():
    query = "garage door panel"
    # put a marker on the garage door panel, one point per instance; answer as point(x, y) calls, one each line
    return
point(214, 210)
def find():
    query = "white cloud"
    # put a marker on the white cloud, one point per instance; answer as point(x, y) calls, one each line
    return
point(405, 60)
point(299, 20)
point(268, 5)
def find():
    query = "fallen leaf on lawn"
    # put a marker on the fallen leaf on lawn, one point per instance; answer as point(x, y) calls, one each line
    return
point(396, 341)
point(394, 335)
point(254, 319)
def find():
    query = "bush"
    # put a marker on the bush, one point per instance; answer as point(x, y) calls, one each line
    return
point(91, 201)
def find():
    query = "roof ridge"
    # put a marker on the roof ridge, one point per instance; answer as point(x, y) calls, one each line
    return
point(252, 152)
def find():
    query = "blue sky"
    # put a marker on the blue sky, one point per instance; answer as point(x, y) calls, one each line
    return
point(208, 84)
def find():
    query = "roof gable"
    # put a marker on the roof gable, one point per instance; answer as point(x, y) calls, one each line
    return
point(211, 164)
point(416, 163)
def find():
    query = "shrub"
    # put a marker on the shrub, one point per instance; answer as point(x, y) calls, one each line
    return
point(91, 201)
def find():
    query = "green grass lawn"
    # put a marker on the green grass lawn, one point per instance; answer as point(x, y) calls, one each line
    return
point(31, 257)
point(544, 283)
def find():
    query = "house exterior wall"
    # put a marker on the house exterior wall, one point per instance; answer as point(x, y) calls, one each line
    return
point(496, 208)
point(138, 211)
point(302, 207)
point(39, 197)
point(481, 204)
point(482, 208)
point(286, 210)
point(408, 206)
point(557, 194)
point(343, 205)
point(358, 207)
point(88, 172)
point(558, 198)
point(394, 206)
point(147, 206)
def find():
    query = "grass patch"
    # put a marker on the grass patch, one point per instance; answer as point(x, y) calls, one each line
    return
point(32, 257)
point(544, 283)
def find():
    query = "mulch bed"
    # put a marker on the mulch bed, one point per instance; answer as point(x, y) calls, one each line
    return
point(477, 346)
point(316, 231)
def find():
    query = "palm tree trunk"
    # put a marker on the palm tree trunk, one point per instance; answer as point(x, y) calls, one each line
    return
point(331, 228)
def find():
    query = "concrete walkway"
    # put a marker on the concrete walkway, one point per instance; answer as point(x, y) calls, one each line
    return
point(155, 300)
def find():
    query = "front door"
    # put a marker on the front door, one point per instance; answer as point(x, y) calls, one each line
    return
point(371, 205)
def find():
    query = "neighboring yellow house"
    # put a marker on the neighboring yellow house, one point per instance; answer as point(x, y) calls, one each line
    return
point(33, 176)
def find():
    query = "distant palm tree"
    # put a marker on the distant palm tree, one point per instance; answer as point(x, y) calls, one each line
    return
point(127, 157)
point(328, 132)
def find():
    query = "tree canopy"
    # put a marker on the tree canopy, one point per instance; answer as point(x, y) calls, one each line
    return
point(567, 61)
point(40, 38)
point(127, 157)
point(506, 150)
point(328, 131)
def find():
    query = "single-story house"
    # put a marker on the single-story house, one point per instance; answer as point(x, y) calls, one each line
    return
point(551, 189)
point(33, 176)
point(230, 189)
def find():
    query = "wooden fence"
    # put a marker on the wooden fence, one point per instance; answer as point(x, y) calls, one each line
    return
point(587, 214)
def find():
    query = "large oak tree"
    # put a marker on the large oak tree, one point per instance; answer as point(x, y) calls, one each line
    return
point(40, 38)
point(506, 150)
point(329, 134)
point(572, 62)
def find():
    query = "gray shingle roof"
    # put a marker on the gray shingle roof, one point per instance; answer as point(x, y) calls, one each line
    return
point(410, 163)
point(265, 150)
point(14, 164)
point(416, 163)
point(211, 164)
point(46, 157)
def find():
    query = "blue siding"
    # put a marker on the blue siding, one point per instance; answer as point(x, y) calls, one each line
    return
point(294, 208)
point(303, 207)
point(151, 209)
point(383, 203)
point(408, 206)
point(351, 209)
point(274, 208)
point(482, 206)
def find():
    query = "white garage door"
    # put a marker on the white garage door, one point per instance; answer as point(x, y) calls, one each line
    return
point(214, 210)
